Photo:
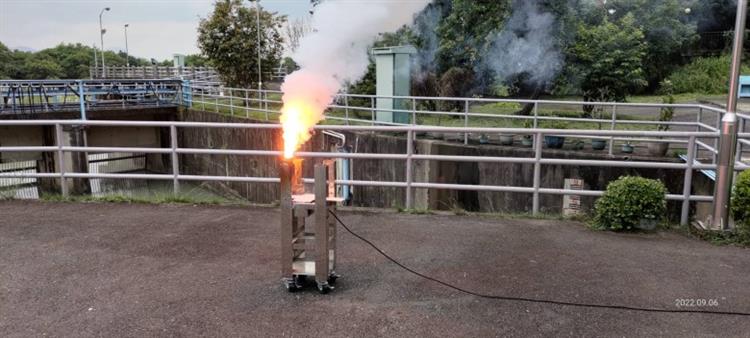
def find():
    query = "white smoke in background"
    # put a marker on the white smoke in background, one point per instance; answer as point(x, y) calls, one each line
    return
point(526, 45)
point(336, 52)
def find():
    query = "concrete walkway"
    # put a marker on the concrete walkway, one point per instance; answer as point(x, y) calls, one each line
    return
point(166, 270)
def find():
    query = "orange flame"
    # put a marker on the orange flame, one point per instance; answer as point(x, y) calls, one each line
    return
point(306, 96)
point(296, 120)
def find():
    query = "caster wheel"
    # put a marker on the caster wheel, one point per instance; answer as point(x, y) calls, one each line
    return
point(291, 286)
point(324, 288)
point(300, 280)
point(332, 279)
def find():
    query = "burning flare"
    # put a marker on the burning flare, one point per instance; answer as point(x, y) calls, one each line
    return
point(333, 54)
point(306, 97)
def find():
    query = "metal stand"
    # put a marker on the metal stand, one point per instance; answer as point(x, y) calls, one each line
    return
point(308, 231)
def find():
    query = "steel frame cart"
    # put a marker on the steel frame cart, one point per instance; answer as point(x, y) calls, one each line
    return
point(308, 231)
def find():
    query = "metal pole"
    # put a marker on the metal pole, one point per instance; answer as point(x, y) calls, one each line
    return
point(175, 160)
point(728, 132)
point(127, 57)
point(414, 112)
point(247, 105)
point(536, 115)
point(687, 185)
point(612, 127)
point(96, 65)
point(61, 159)
point(81, 100)
point(346, 111)
point(537, 173)
point(466, 121)
point(409, 153)
point(257, 20)
point(101, 37)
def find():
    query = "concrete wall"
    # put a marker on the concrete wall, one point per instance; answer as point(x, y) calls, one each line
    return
point(595, 178)
point(226, 165)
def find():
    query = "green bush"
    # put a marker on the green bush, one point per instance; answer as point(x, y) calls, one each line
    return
point(705, 75)
point(741, 201)
point(628, 201)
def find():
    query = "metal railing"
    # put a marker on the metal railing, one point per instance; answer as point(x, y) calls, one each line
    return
point(153, 72)
point(39, 96)
point(349, 108)
point(408, 156)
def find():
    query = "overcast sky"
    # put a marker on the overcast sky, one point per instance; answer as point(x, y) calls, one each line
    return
point(158, 28)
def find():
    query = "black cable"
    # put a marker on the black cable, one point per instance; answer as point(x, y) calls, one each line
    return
point(532, 300)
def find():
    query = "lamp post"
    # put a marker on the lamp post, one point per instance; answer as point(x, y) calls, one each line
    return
point(728, 131)
point(257, 20)
point(101, 37)
point(127, 55)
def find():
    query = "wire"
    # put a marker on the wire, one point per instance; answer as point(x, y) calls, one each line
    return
point(532, 300)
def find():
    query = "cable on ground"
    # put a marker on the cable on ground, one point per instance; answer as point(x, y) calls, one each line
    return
point(534, 300)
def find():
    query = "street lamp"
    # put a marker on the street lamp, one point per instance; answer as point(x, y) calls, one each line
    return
point(127, 57)
point(101, 37)
point(257, 19)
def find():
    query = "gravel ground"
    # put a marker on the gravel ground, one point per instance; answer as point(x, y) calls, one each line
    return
point(180, 270)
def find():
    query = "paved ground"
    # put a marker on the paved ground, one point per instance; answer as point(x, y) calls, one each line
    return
point(166, 270)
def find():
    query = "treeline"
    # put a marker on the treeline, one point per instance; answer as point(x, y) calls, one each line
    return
point(69, 61)
point(602, 50)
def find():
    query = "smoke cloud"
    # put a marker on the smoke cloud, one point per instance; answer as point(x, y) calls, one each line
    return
point(336, 52)
point(526, 45)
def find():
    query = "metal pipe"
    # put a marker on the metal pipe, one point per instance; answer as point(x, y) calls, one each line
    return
point(408, 174)
point(537, 172)
point(175, 160)
point(61, 159)
point(687, 184)
point(728, 140)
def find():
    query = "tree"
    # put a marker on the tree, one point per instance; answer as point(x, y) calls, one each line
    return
point(668, 32)
point(42, 68)
point(5, 59)
point(229, 39)
point(294, 31)
point(610, 57)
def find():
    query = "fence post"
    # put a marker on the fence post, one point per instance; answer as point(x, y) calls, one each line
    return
point(372, 110)
point(61, 159)
point(715, 156)
point(175, 160)
point(536, 114)
point(466, 121)
point(346, 109)
point(741, 129)
point(537, 172)
point(247, 105)
point(231, 105)
point(700, 119)
point(414, 111)
point(265, 102)
point(216, 102)
point(409, 176)
point(688, 183)
point(612, 127)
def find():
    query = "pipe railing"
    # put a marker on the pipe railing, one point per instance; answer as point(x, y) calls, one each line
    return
point(239, 101)
point(408, 155)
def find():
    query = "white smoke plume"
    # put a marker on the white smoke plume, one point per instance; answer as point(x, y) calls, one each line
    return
point(526, 45)
point(336, 52)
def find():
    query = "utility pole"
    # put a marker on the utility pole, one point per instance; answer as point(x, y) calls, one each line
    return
point(127, 55)
point(728, 131)
point(101, 37)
